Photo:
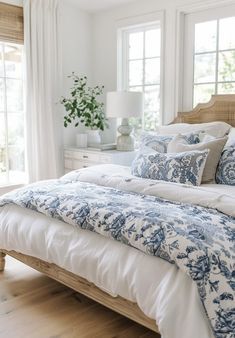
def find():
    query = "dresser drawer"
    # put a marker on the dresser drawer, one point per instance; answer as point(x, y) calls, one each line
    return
point(75, 158)
point(82, 164)
point(68, 154)
point(68, 163)
point(85, 156)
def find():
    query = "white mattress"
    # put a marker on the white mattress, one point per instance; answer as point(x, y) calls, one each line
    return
point(161, 290)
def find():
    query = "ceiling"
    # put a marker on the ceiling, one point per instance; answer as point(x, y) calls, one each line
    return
point(99, 5)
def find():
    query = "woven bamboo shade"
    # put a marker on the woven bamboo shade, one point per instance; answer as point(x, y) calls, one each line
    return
point(11, 23)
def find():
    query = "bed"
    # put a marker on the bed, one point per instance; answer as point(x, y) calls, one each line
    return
point(142, 287)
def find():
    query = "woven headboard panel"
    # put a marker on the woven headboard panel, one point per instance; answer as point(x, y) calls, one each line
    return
point(219, 108)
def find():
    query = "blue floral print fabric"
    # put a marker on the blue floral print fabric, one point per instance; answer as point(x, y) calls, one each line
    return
point(160, 142)
point(200, 241)
point(186, 168)
point(225, 173)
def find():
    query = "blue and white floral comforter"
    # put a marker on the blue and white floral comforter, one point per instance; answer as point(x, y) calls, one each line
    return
point(199, 240)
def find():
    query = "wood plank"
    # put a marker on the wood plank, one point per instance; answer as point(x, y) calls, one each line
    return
point(37, 306)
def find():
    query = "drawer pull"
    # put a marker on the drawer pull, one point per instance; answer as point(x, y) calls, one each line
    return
point(85, 156)
point(85, 166)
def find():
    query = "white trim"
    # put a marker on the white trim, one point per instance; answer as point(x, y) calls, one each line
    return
point(147, 18)
point(181, 12)
point(203, 5)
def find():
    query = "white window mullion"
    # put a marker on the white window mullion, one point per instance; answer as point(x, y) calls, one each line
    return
point(217, 59)
point(5, 117)
point(143, 81)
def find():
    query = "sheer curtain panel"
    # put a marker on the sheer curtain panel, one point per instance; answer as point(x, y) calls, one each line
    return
point(42, 78)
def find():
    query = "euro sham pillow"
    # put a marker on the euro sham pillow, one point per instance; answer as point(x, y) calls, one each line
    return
point(216, 146)
point(216, 129)
point(185, 168)
point(226, 169)
point(160, 143)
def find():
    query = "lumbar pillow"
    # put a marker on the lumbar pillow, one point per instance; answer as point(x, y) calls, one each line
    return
point(226, 169)
point(186, 168)
point(160, 142)
point(178, 145)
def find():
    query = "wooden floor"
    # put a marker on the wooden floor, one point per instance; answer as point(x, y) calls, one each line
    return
point(34, 306)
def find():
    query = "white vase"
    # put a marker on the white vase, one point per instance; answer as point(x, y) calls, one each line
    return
point(93, 137)
point(81, 140)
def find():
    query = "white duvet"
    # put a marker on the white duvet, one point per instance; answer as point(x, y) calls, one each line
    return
point(161, 290)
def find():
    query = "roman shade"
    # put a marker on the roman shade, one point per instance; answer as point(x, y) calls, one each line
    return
point(11, 23)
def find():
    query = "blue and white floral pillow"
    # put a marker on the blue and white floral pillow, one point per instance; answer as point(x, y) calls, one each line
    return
point(185, 168)
point(160, 142)
point(225, 173)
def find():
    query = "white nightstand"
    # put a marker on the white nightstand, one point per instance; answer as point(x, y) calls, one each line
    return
point(77, 158)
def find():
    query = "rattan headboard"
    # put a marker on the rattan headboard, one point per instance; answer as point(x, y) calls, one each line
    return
point(219, 108)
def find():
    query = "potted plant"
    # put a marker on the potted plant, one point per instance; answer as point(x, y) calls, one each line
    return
point(83, 107)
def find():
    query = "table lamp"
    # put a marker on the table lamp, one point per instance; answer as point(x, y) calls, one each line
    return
point(124, 104)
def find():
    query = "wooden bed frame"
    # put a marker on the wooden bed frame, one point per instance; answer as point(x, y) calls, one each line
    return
point(220, 108)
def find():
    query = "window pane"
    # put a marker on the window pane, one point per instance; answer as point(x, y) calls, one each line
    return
point(152, 71)
point(2, 103)
point(152, 98)
point(14, 95)
point(2, 130)
point(135, 73)
point(226, 88)
point(205, 36)
point(1, 61)
point(3, 173)
point(152, 42)
point(136, 45)
point(227, 36)
point(202, 93)
point(16, 163)
point(15, 129)
point(136, 89)
point(2, 149)
point(151, 120)
point(204, 68)
point(13, 61)
point(227, 66)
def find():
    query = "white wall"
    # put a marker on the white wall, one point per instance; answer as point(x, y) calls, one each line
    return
point(76, 37)
point(105, 45)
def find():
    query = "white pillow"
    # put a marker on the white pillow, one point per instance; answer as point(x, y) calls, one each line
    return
point(231, 137)
point(216, 129)
point(178, 145)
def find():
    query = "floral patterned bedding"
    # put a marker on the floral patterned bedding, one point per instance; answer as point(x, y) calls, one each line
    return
point(199, 240)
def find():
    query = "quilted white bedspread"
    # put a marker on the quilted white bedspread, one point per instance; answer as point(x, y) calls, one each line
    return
point(162, 291)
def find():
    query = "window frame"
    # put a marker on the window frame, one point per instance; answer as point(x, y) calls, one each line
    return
point(136, 24)
point(6, 113)
point(12, 33)
point(207, 11)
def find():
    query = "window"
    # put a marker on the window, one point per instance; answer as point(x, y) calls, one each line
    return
point(12, 147)
point(12, 162)
point(141, 70)
point(212, 56)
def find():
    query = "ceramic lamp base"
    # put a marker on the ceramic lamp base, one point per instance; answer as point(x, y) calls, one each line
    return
point(125, 142)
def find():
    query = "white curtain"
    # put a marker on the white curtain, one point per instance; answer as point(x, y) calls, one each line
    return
point(42, 79)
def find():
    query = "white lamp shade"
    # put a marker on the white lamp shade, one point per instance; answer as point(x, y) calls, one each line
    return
point(124, 104)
